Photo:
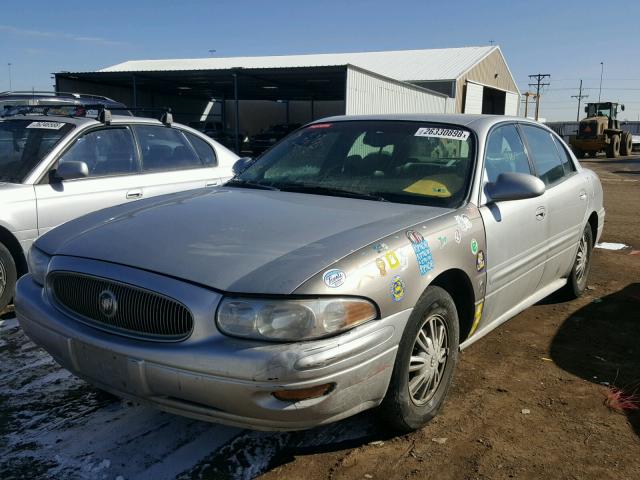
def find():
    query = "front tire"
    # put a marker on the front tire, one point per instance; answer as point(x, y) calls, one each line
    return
point(577, 281)
point(425, 362)
point(613, 149)
point(8, 277)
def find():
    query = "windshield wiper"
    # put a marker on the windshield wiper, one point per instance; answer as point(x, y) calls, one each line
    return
point(237, 182)
point(337, 192)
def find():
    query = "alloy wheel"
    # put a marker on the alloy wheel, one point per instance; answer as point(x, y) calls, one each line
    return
point(428, 359)
point(582, 259)
point(3, 278)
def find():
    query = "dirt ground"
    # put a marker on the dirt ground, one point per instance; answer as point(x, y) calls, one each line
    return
point(527, 401)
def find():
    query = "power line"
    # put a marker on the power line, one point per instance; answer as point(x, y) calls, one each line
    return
point(538, 78)
point(580, 96)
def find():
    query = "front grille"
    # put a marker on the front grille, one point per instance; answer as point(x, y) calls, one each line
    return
point(121, 308)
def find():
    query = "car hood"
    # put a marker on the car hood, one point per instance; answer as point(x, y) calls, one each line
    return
point(232, 239)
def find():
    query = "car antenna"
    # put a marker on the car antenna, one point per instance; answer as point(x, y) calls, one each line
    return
point(167, 117)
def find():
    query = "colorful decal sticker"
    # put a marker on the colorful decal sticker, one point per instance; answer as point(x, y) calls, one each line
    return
point(458, 236)
point(46, 125)
point(397, 288)
point(422, 251)
point(334, 278)
point(379, 247)
point(480, 261)
point(463, 222)
point(392, 260)
point(443, 241)
point(450, 133)
point(382, 267)
point(474, 246)
point(430, 188)
point(476, 318)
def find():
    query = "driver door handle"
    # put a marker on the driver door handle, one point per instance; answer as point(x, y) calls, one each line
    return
point(133, 194)
point(583, 195)
point(541, 212)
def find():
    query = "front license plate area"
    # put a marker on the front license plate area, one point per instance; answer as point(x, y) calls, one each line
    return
point(105, 367)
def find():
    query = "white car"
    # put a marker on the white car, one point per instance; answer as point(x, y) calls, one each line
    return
point(56, 168)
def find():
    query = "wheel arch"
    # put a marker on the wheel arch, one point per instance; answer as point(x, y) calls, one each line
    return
point(458, 284)
point(13, 245)
point(593, 223)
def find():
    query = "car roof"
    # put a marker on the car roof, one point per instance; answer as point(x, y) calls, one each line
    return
point(473, 121)
point(81, 120)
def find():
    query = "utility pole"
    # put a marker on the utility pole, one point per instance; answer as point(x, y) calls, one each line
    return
point(526, 102)
point(539, 84)
point(601, 72)
point(9, 65)
point(580, 96)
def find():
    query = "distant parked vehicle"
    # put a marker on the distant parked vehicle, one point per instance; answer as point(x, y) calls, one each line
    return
point(53, 103)
point(264, 140)
point(56, 168)
point(600, 131)
point(635, 142)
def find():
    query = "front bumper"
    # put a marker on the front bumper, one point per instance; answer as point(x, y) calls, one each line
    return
point(211, 376)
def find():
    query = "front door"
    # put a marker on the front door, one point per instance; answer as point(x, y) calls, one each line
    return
point(110, 155)
point(516, 230)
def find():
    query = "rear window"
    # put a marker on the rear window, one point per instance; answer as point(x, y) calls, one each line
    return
point(165, 149)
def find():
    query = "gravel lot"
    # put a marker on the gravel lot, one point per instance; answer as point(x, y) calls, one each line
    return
point(527, 402)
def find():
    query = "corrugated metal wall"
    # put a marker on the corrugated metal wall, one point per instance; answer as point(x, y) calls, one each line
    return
point(473, 98)
point(369, 93)
point(511, 104)
point(485, 73)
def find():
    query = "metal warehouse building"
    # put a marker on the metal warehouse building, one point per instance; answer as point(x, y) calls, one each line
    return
point(246, 94)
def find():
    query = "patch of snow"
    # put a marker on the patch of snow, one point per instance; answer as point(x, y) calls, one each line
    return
point(611, 246)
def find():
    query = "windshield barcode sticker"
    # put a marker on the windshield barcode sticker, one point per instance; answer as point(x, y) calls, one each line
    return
point(46, 125)
point(450, 133)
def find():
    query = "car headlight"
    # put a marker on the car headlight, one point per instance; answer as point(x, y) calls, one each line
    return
point(292, 320)
point(38, 265)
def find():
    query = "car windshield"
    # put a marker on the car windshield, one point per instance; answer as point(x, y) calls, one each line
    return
point(24, 143)
point(396, 161)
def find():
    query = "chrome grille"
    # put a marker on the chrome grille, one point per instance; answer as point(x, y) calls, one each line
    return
point(134, 311)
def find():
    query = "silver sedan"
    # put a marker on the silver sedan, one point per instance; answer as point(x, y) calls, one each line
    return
point(344, 270)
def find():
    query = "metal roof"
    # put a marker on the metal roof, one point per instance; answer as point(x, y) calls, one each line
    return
point(407, 65)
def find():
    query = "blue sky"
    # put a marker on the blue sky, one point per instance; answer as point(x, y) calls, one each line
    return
point(564, 38)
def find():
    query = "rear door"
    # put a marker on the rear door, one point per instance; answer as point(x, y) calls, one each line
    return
point(111, 157)
point(566, 196)
point(516, 230)
point(174, 160)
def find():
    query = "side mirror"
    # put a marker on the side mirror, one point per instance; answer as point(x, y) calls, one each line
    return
point(514, 186)
point(71, 169)
point(242, 164)
point(622, 107)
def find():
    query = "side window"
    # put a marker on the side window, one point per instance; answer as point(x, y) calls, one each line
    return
point(505, 153)
point(108, 151)
point(544, 153)
point(205, 151)
point(567, 163)
point(165, 149)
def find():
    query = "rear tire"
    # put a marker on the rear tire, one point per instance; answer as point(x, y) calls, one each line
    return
point(425, 362)
point(613, 149)
point(577, 281)
point(8, 277)
point(626, 145)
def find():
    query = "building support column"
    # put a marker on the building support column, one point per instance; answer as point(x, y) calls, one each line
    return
point(135, 91)
point(237, 106)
